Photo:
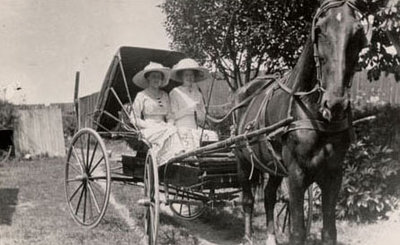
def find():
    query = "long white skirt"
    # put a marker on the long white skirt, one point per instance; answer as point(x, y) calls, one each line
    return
point(165, 142)
point(190, 138)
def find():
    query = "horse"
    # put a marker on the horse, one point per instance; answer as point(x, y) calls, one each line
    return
point(312, 147)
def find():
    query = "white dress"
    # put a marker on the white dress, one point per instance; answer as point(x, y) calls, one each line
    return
point(188, 111)
point(154, 114)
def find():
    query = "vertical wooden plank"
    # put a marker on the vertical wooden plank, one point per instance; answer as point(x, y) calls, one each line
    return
point(39, 132)
point(76, 101)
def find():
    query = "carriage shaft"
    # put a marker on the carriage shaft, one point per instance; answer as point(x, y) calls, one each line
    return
point(232, 140)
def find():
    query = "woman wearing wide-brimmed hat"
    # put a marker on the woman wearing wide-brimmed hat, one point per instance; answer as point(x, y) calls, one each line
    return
point(187, 103)
point(152, 111)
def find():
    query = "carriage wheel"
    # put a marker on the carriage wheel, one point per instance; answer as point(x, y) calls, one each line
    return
point(184, 205)
point(282, 213)
point(87, 178)
point(151, 192)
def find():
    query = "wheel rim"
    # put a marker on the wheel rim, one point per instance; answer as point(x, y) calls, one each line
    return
point(282, 213)
point(87, 178)
point(151, 192)
point(181, 204)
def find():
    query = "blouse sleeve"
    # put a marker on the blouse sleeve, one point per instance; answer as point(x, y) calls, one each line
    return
point(174, 104)
point(169, 116)
point(136, 114)
point(201, 108)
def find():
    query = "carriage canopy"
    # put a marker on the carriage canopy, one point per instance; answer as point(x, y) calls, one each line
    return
point(125, 64)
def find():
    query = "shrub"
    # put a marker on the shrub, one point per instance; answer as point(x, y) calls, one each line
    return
point(371, 166)
point(69, 125)
point(366, 190)
point(7, 114)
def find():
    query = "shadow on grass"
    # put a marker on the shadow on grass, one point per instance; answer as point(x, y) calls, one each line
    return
point(214, 225)
point(8, 202)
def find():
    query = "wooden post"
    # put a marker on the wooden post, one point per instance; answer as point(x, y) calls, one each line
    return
point(76, 101)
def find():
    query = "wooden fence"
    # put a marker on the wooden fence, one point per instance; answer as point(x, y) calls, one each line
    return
point(87, 105)
point(386, 89)
point(39, 132)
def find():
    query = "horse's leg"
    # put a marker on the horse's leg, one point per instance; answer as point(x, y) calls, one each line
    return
point(247, 199)
point(296, 204)
point(330, 187)
point(269, 204)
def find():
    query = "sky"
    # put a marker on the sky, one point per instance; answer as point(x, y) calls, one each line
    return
point(44, 43)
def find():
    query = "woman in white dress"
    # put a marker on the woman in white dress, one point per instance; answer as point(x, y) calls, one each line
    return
point(187, 104)
point(152, 112)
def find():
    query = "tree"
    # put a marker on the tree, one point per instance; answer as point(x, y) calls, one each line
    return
point(240, 37)
point(385, 32)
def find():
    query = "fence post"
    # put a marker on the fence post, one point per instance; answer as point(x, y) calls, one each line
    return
point(76, 101)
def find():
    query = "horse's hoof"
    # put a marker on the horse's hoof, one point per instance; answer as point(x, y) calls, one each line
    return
point(271, 240)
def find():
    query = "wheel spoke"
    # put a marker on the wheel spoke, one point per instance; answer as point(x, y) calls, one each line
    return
point(76, 191)
point(96, 165)
point(90, 204)
point(285, 219)
point(82, 152)
point(76, 179)
point(96, 186)
point(282, 209)
point(87, 152)
point(77, 158)
point(79, 202)
point(93, 153)
point(84, 204)
point(74, 168)
point(188, 206)
point(96, 204)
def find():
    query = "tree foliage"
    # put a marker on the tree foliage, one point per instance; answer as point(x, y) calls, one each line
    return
point(7, 114)
point(242, 36)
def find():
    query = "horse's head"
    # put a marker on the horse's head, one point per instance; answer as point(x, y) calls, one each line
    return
point(338, 37)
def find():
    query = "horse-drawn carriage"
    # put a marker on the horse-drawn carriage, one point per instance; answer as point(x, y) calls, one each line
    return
point(299, 126)
point(190, 181)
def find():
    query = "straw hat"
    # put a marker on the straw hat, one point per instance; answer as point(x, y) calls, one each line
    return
point(190, 64)
point(140, 78)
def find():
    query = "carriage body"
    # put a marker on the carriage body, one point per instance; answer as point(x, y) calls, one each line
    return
point(112, 149)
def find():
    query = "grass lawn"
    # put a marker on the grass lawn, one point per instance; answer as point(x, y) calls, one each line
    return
point(33, 210)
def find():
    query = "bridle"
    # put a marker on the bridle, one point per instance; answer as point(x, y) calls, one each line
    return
point(297, 95)
point(321, 10)
point(327, 5)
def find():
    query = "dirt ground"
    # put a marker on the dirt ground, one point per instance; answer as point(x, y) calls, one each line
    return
point(33, 211)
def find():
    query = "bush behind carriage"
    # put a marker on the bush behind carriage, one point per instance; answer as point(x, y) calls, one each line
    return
point(371, 182)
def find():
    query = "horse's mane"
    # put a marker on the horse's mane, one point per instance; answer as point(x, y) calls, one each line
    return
point(302, 75)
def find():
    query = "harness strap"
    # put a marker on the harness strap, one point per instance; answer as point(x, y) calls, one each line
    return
point(261, 110)
point(331, 127)
point(241, 104)
point(288, 90)
point(255, 160)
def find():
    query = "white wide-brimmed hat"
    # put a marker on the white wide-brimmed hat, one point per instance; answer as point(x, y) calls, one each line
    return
point(190, 64)
point(140, 78)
